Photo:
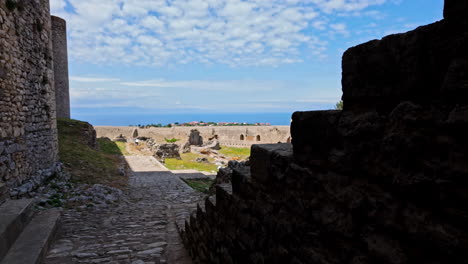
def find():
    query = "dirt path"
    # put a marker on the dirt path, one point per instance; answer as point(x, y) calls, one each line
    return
point(140, 229)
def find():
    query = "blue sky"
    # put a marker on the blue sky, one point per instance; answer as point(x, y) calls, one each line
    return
point(221, 56)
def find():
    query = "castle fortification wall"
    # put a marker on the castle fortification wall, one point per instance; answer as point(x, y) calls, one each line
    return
point(59, 43)
point(28, 134)
point(235, 136)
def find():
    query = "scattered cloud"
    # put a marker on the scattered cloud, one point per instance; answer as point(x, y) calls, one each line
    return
point(92, 79)
point(230, 32)
point(225, 85)
point(339, 28)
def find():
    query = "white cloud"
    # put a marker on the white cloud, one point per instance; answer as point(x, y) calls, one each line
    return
point(92, 79)
point(232, 32)
point(228, 85)
point(340, 28)
point(57, 5)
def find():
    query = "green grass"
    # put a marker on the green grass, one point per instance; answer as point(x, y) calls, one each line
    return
point(232, 152)
point(85, 164)
point(201, 185)
point(113, 148)
point(188, 163)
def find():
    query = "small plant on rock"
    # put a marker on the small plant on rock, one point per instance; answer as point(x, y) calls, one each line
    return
point(172, 140)
point(339, 105)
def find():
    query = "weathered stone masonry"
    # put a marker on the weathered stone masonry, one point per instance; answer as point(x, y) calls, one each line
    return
point(59, 43)
point(383, 181)
point(28, 135)
point(227, 136)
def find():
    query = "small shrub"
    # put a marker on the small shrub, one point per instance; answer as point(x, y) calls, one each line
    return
point(172, 140)
point(339, 105)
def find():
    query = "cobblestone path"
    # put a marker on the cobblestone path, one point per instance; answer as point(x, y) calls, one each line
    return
point(140, 229)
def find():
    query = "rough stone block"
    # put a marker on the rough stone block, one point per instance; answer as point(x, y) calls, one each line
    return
point(456, 10)
point(240, 180)
point(223, 196)
point(263, 157)
point(210, 207)
point(314, 134)
point(33, 243)
point(406, 67)
point(14, 216)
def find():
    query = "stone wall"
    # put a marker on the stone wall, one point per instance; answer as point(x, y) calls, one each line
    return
point(383, 181)
point(59, 43)
point(28, 134)
point(227, 136)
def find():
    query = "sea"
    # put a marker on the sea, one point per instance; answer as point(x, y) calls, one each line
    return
point(127, 119)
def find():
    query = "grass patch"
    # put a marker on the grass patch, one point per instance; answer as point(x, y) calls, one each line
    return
point(113, 148)
point(171, 140)
point(188, 163)
point(85, 164)
point(241, 153)
point(202, 185)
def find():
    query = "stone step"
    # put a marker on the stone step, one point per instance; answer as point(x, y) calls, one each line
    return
point(32, 245)
point(14, 216)
point(223, 195)
point(210, 209)
point(242, 183)
point(269, 161)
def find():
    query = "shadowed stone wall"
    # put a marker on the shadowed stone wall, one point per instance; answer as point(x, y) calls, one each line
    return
point(28, 134)
point(59, 43)
point(383, 181)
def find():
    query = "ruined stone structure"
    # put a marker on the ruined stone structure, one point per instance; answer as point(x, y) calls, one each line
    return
point(59, 43)
point(383, 181)
point(235, 136)
point(167, 151)
point(28, 134)
point(194, 138)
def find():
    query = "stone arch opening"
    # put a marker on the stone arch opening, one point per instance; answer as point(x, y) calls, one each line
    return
point(258, 138)
point(242, 137)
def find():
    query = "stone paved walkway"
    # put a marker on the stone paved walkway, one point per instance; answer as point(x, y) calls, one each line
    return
point(140, 229)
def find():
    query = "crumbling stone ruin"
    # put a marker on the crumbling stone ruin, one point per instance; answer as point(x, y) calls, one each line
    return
point(167, 151)
point(383, 181)
point(194, 138)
